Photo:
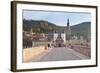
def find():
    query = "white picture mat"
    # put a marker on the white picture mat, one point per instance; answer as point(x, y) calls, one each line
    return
point(21, 65)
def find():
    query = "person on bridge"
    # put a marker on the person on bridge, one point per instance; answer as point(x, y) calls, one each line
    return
point(45, 47)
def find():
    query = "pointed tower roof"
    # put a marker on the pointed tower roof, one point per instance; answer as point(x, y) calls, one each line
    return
point(68, 22)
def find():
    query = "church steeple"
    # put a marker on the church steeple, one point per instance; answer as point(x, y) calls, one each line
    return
point(67, 22)
point(68, 26)
point(68, 31)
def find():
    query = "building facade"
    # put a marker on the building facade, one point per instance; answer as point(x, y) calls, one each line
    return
point(61, 36)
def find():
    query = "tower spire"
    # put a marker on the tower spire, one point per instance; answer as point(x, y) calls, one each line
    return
point(68, 22)
point(68, 26)
point(68, 31)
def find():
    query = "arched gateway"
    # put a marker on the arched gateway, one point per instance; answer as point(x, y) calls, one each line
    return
point(61, 36)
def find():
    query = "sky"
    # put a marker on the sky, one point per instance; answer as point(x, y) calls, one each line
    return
point(58, 18)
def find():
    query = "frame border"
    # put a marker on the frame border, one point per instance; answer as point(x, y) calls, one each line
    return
point(14, 35)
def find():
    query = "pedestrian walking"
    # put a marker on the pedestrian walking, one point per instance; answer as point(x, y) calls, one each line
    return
point(45, 47)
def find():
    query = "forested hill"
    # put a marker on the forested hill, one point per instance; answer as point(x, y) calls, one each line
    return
point(83, 29)
point(40, 26)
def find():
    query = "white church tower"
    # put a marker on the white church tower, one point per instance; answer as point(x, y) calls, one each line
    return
point(55, 36)
point(63, 35)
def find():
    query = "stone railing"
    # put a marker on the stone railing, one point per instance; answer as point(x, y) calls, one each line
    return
point(85, 50)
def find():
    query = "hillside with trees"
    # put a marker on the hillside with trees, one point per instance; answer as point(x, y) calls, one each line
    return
point(41, 26)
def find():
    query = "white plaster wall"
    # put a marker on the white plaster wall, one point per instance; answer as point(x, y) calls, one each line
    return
point(63, 35)
point(55, 36)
